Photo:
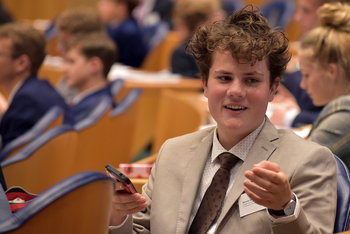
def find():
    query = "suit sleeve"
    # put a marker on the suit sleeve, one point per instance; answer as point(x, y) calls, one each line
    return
point(315, 185)
point(333, 132)
point(140, 222)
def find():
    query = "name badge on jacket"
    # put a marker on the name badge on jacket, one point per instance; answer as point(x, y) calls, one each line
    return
point(247, 206)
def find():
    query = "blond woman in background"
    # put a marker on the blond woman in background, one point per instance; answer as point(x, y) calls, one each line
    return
point(325, 65)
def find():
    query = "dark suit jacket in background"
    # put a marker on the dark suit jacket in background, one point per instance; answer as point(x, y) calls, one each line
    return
point(128, 38)
point(183, 63)
point(31, 101)
point(5, 16)
point(308, 111)
point(164, 9)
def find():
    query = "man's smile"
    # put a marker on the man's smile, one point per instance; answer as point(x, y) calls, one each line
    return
point(235, 107)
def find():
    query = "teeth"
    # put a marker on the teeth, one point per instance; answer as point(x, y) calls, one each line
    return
point(236, 107)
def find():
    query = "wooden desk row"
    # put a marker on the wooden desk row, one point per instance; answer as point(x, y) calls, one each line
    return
point(116, 140)
point(149, 103)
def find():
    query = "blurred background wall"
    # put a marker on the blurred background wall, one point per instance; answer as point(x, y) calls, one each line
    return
point(48, 9)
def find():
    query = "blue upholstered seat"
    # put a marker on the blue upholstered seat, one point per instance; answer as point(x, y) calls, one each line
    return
point(152, 35)
point(231, 6)
point(129, 99)
point(29, 149)
point(53, 195)
point(343, 197)
point(34, 132)
point(278, 13)
point(116, 86)
point(103, 105)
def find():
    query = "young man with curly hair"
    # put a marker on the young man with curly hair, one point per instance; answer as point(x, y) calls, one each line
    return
point(243, 175)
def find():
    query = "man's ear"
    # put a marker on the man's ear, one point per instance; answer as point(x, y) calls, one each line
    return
point(96, 64)
point(205, 85)
point(333, 71)
point(274, 88)
point(22, 63)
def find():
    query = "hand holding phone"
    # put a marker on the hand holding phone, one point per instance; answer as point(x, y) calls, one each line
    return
point(120, 177)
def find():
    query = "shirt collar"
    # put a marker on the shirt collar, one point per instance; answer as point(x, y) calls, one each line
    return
point(79, 97)
point(241, 149)
point(14, 91)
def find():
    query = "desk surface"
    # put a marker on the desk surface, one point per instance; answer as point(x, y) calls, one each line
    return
point(182, 83)
point(132, 78)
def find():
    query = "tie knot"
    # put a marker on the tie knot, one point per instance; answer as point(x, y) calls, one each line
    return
point(227, 160)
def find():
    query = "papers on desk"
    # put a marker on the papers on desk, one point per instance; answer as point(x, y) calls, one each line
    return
point(53, 61)
point(119, 71)
point(133, 170)
point(303, 131)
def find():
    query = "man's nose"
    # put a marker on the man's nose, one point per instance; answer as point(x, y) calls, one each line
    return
point(236, 89)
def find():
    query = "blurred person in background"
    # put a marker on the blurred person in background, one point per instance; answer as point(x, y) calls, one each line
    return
point(325, 65)
point(122, 27)
point(188, 16)
point(69, 23)
point(5, 16)
point(22, 51)
point(87, 64)
point(299, 109)
point(151, 12)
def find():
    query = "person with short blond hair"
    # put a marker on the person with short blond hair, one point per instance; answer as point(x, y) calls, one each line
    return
point(73, 21)
point(22, 51)
point(87, 64)
point(25, 40)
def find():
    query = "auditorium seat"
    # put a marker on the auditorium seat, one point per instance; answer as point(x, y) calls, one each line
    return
point(78, 204)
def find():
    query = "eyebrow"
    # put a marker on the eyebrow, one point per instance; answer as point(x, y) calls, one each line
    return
point(246, 74)
point(223, 72)
point(253, 73)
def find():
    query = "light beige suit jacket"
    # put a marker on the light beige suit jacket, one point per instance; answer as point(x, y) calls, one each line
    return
point(173, 184)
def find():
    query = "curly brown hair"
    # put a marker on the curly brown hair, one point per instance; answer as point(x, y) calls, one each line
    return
point(247, 36)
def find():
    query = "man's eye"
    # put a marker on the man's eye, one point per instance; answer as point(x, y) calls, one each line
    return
point(224, 78)
point(305, 76)
point(252, 80)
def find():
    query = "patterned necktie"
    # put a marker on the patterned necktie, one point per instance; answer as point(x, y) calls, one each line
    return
point(214, 196)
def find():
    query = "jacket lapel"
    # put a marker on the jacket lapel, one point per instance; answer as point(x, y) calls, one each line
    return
point(194, 170)
point(261, 150)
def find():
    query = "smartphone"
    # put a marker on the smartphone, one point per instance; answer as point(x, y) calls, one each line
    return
point(120, 177)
